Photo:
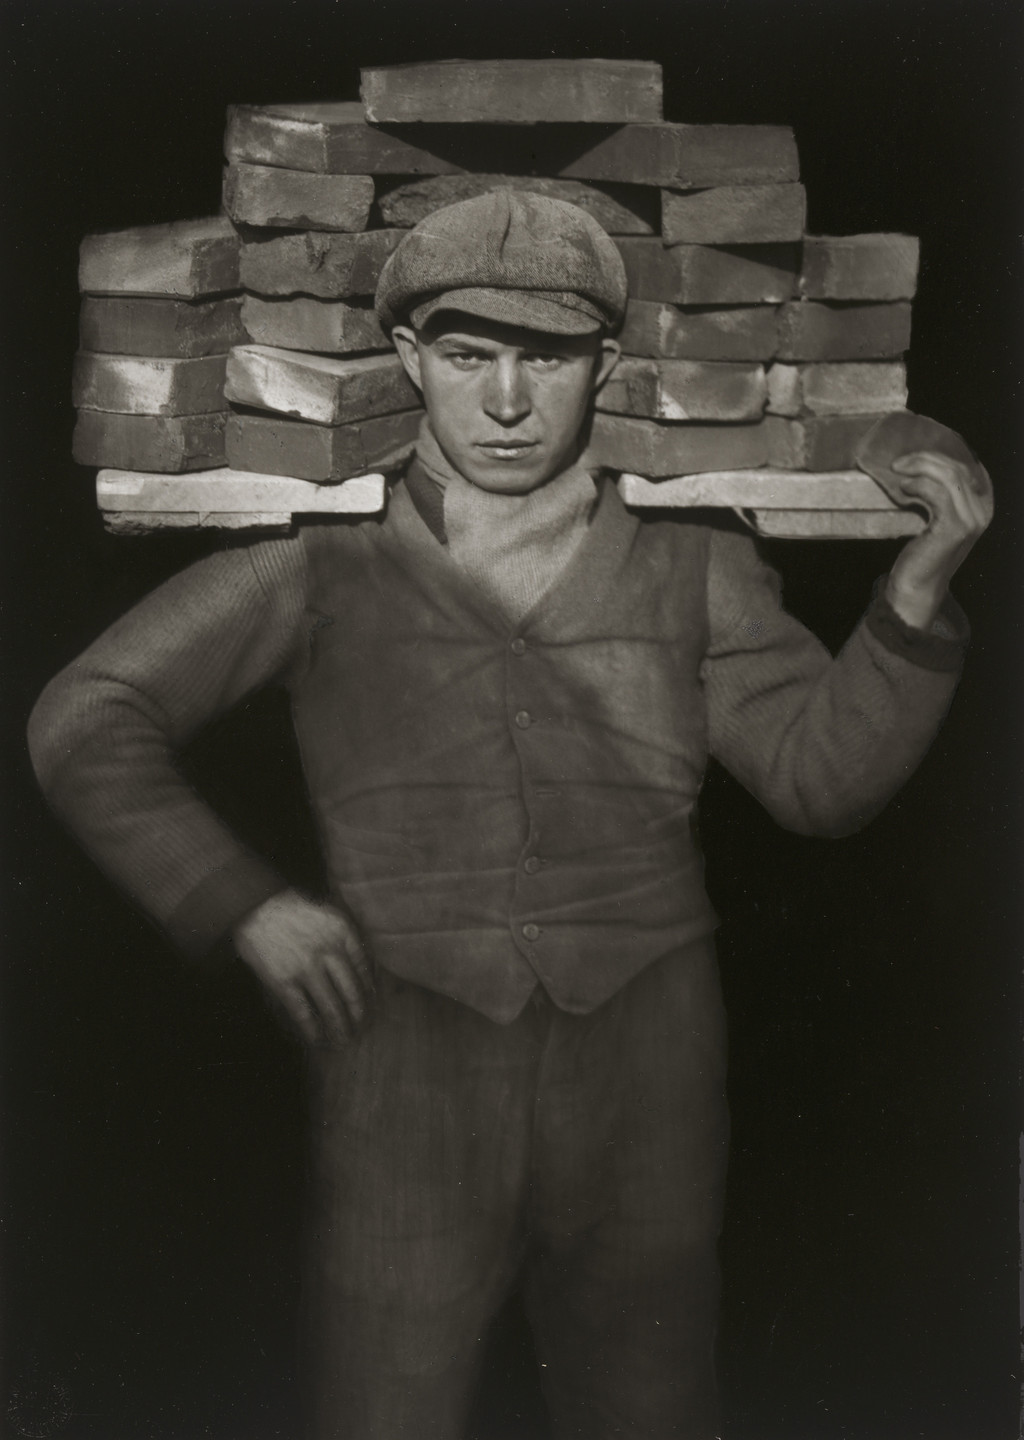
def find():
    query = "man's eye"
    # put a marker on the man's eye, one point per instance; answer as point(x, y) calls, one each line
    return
point(465, 361)
point(542, 361)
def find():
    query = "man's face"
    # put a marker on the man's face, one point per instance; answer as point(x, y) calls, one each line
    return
point(506, 405)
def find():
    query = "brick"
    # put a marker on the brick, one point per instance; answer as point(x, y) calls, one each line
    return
point(167, 443)
point(313, 387)
point(152, 522)
point(810, 330)
point(859, 267)
point(837, 524)
point(684, 390)
point(225, 491)
point(821, 442)
point(334, 138)
point(734, 215)
point(836, 505)
point(185, 329)
point(329, 138)
point(317, 262)
point(837, 388)
point(903, 433)
point(706, 275)
point(295, 199)
point(739, 332)
point(144, 385)
point(644, 447)
point(304, 323)
point(316, 452)
point(622, 209)
point(688, 156)
point(770, 489)
point(188, 259)
point(512, 91)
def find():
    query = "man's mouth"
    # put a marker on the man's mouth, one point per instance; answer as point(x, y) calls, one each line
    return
point(507, 449)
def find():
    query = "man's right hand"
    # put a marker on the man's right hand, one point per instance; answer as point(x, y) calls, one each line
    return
point(310, 960)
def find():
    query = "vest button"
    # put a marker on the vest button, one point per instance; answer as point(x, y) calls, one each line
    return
point(532, 864)
point(524, 719)
point(518, 646)
point(531, 931)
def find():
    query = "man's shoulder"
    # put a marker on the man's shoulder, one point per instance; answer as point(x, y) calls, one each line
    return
point(280, 559)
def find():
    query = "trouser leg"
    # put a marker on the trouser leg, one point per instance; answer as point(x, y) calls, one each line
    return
point(631, 1143)
point(421, 1160)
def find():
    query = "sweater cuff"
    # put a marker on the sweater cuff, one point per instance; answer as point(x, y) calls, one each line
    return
point(210, 911)
point(939, 648)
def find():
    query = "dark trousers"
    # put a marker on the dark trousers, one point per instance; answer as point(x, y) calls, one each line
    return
point(582, 1156)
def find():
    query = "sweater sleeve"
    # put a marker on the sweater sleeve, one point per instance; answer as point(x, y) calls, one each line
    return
point(104, 733)
point(822, 742)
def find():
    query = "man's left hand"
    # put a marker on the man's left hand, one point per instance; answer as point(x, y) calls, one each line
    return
point(958, 498)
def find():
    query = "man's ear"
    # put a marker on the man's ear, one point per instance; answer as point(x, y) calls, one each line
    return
point(607, 359)
point(405, 343)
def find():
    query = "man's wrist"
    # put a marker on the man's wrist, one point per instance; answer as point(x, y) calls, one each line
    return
point(938, 646)
point(251, 923)
point(213, 909)
point(917, 606)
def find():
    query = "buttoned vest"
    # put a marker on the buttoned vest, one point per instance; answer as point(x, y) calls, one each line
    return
point(501, 806)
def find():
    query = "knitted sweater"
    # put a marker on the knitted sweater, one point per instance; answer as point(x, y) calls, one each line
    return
point(499, 803)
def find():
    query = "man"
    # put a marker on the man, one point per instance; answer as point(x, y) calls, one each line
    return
point(505, 689)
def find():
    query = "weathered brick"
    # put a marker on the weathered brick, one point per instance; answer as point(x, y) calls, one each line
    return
point(843, 504)
point(738, 332)
point(334, 138)
point(271, 446)
point(687, 156)
point(305, 323)
point(167, 443)
point(326, 137)
point(837, 388)
point(810, 330)
point(188, 259)
point(313, 387)
point(684, 390)
point(903, 433)
point(224, 492)
point(734, 215)
point(145, 385)
point(317, 262)
point(772, 489)
point(621, 209)
point(821, 442)
point(859, 267)
point(185, 329)
point(152, 522)
point(707, 275)
point(837, 524)
point(503, 91)
point(296, 199)
point(645, 447)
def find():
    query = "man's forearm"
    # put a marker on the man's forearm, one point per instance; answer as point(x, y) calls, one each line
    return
point(105, 733)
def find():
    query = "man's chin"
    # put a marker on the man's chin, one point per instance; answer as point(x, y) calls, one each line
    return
point(510, 476)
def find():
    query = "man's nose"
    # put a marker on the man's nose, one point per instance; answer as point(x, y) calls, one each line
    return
point(507, 395)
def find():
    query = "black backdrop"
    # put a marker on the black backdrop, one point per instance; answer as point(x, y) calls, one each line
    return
point(153, 1156)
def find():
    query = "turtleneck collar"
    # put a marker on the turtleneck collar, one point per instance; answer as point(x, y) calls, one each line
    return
point(514, 546)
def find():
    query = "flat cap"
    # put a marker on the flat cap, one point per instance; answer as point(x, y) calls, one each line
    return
point(510, 256)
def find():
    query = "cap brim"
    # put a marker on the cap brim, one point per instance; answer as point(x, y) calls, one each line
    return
point(526, 309)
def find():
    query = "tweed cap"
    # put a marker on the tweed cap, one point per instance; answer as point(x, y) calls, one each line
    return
point(510, 256)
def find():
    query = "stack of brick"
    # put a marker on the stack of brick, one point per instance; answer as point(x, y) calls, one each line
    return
point(161, 308)
point(748, 344)
point(802, 337)
point(319, 394)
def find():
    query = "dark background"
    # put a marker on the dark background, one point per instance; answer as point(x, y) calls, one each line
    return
point(153, 1160)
